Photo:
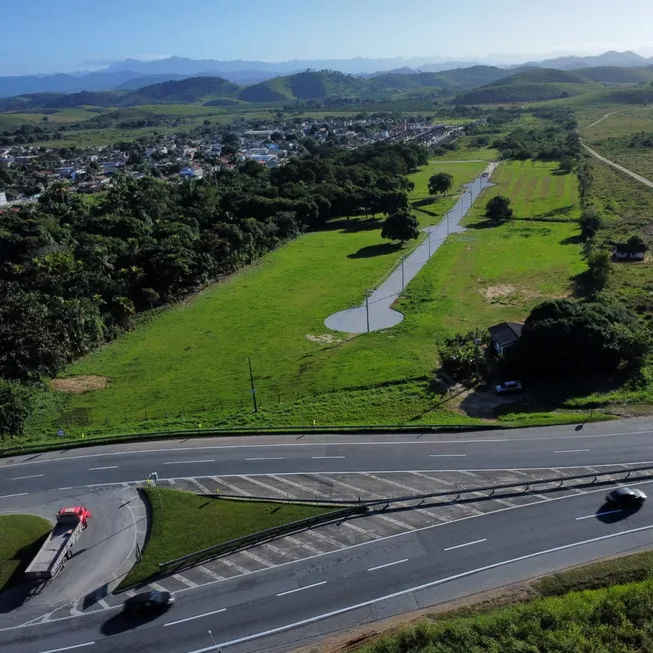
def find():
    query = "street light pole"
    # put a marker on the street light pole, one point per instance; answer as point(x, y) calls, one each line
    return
point(251, 382)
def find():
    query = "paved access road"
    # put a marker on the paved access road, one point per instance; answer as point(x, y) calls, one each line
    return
point(378, 307)
point(605, 443)
point(359, 580)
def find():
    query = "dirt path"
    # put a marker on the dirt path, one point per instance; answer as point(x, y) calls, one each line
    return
point(630, 173)
point(596, 122)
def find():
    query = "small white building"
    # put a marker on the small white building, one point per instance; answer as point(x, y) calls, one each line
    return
point(3, 199)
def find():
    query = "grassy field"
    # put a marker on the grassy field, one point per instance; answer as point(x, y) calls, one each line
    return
point(196, 355)
point(206, 522)
point(20, 539)
point(188, 366)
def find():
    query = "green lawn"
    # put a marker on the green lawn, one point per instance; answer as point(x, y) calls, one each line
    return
point(195, 356)
point(206, 522)
point(20, 539)
point(188, 366)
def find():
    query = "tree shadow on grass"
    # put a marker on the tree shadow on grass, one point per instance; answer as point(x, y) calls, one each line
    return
point(562, 210)
point(572, 240)
point(582, 285)
point(380, 249)
point(352, 226)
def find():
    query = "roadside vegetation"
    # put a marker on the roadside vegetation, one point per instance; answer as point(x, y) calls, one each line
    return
point(206, 522)
point(601, 607)
point(21, 536)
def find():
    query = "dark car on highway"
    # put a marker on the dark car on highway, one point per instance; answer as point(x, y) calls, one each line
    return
point(626, 497)
point(149, 601)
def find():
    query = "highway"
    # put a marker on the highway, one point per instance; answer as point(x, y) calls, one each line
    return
point(278, 608)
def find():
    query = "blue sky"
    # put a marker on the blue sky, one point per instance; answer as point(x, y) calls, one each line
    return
point(48, 36)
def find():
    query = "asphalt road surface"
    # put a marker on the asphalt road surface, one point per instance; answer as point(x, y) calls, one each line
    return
point(277, 608)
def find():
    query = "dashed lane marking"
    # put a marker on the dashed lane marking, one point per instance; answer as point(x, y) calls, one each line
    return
point(389, 564)
point(22, 478)
point(97, 469)
point(197, 616)
point(187, 462)
point(301, 589)
point(460, 546)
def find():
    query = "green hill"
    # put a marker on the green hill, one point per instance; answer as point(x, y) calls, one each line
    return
point(461, 78)
point(616, 75)
point(183, 91)
point(309, 85)
point(531, 86)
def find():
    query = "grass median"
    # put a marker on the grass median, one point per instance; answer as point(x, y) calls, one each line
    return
point(183, 523)
point(20, 538)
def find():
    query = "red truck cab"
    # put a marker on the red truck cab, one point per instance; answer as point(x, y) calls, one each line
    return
point(77, 514)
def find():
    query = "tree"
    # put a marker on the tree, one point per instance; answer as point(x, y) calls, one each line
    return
point(401, 226)
point(440, 183)
point(590, 222)
point(599, 268)
point(566, 165)
point(571, 339)
point(498, 209)
point(15, 407)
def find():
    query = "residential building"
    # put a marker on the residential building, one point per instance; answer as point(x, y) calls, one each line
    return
point(505, 336)
point(629, 252)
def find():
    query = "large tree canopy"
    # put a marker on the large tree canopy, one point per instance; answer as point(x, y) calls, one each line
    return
point(568, 338)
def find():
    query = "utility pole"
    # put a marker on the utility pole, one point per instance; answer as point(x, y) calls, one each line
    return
point(251, 382)
point(367, 309)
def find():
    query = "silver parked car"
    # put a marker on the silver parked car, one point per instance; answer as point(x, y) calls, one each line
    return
point(508, 386)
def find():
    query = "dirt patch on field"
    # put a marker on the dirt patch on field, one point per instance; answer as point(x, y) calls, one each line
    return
point(493, 293)
point(483, 404)
point(324, 339)
point(78, 385)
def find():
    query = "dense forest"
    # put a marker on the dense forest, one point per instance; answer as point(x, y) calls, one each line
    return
point(74, 270)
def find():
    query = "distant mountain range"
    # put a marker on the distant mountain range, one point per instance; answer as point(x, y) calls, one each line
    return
point(132, 74)
point(472, 85)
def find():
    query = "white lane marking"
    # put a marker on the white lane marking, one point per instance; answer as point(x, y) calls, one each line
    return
point(600, 514)
point(460, 546)
point(185, 581)
point(197, 616)
point(303, 545)
point(395, 443)
point(9, 496)
point(235, 565)
point(267, 486)
point(441, 581)
point(20, 478)
point(157, 587)
point(389, 564)
point(572, 450)
point(327, 457)
point(270, 458)
point(305, 488)
point(187, 462)
point(447, 455)
point(301, 589)
point(257, 558)
point(211, 574)
point(203, 488)
point(104, 604)
point(68, 648)
point(234, 488)
point(97, 469)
